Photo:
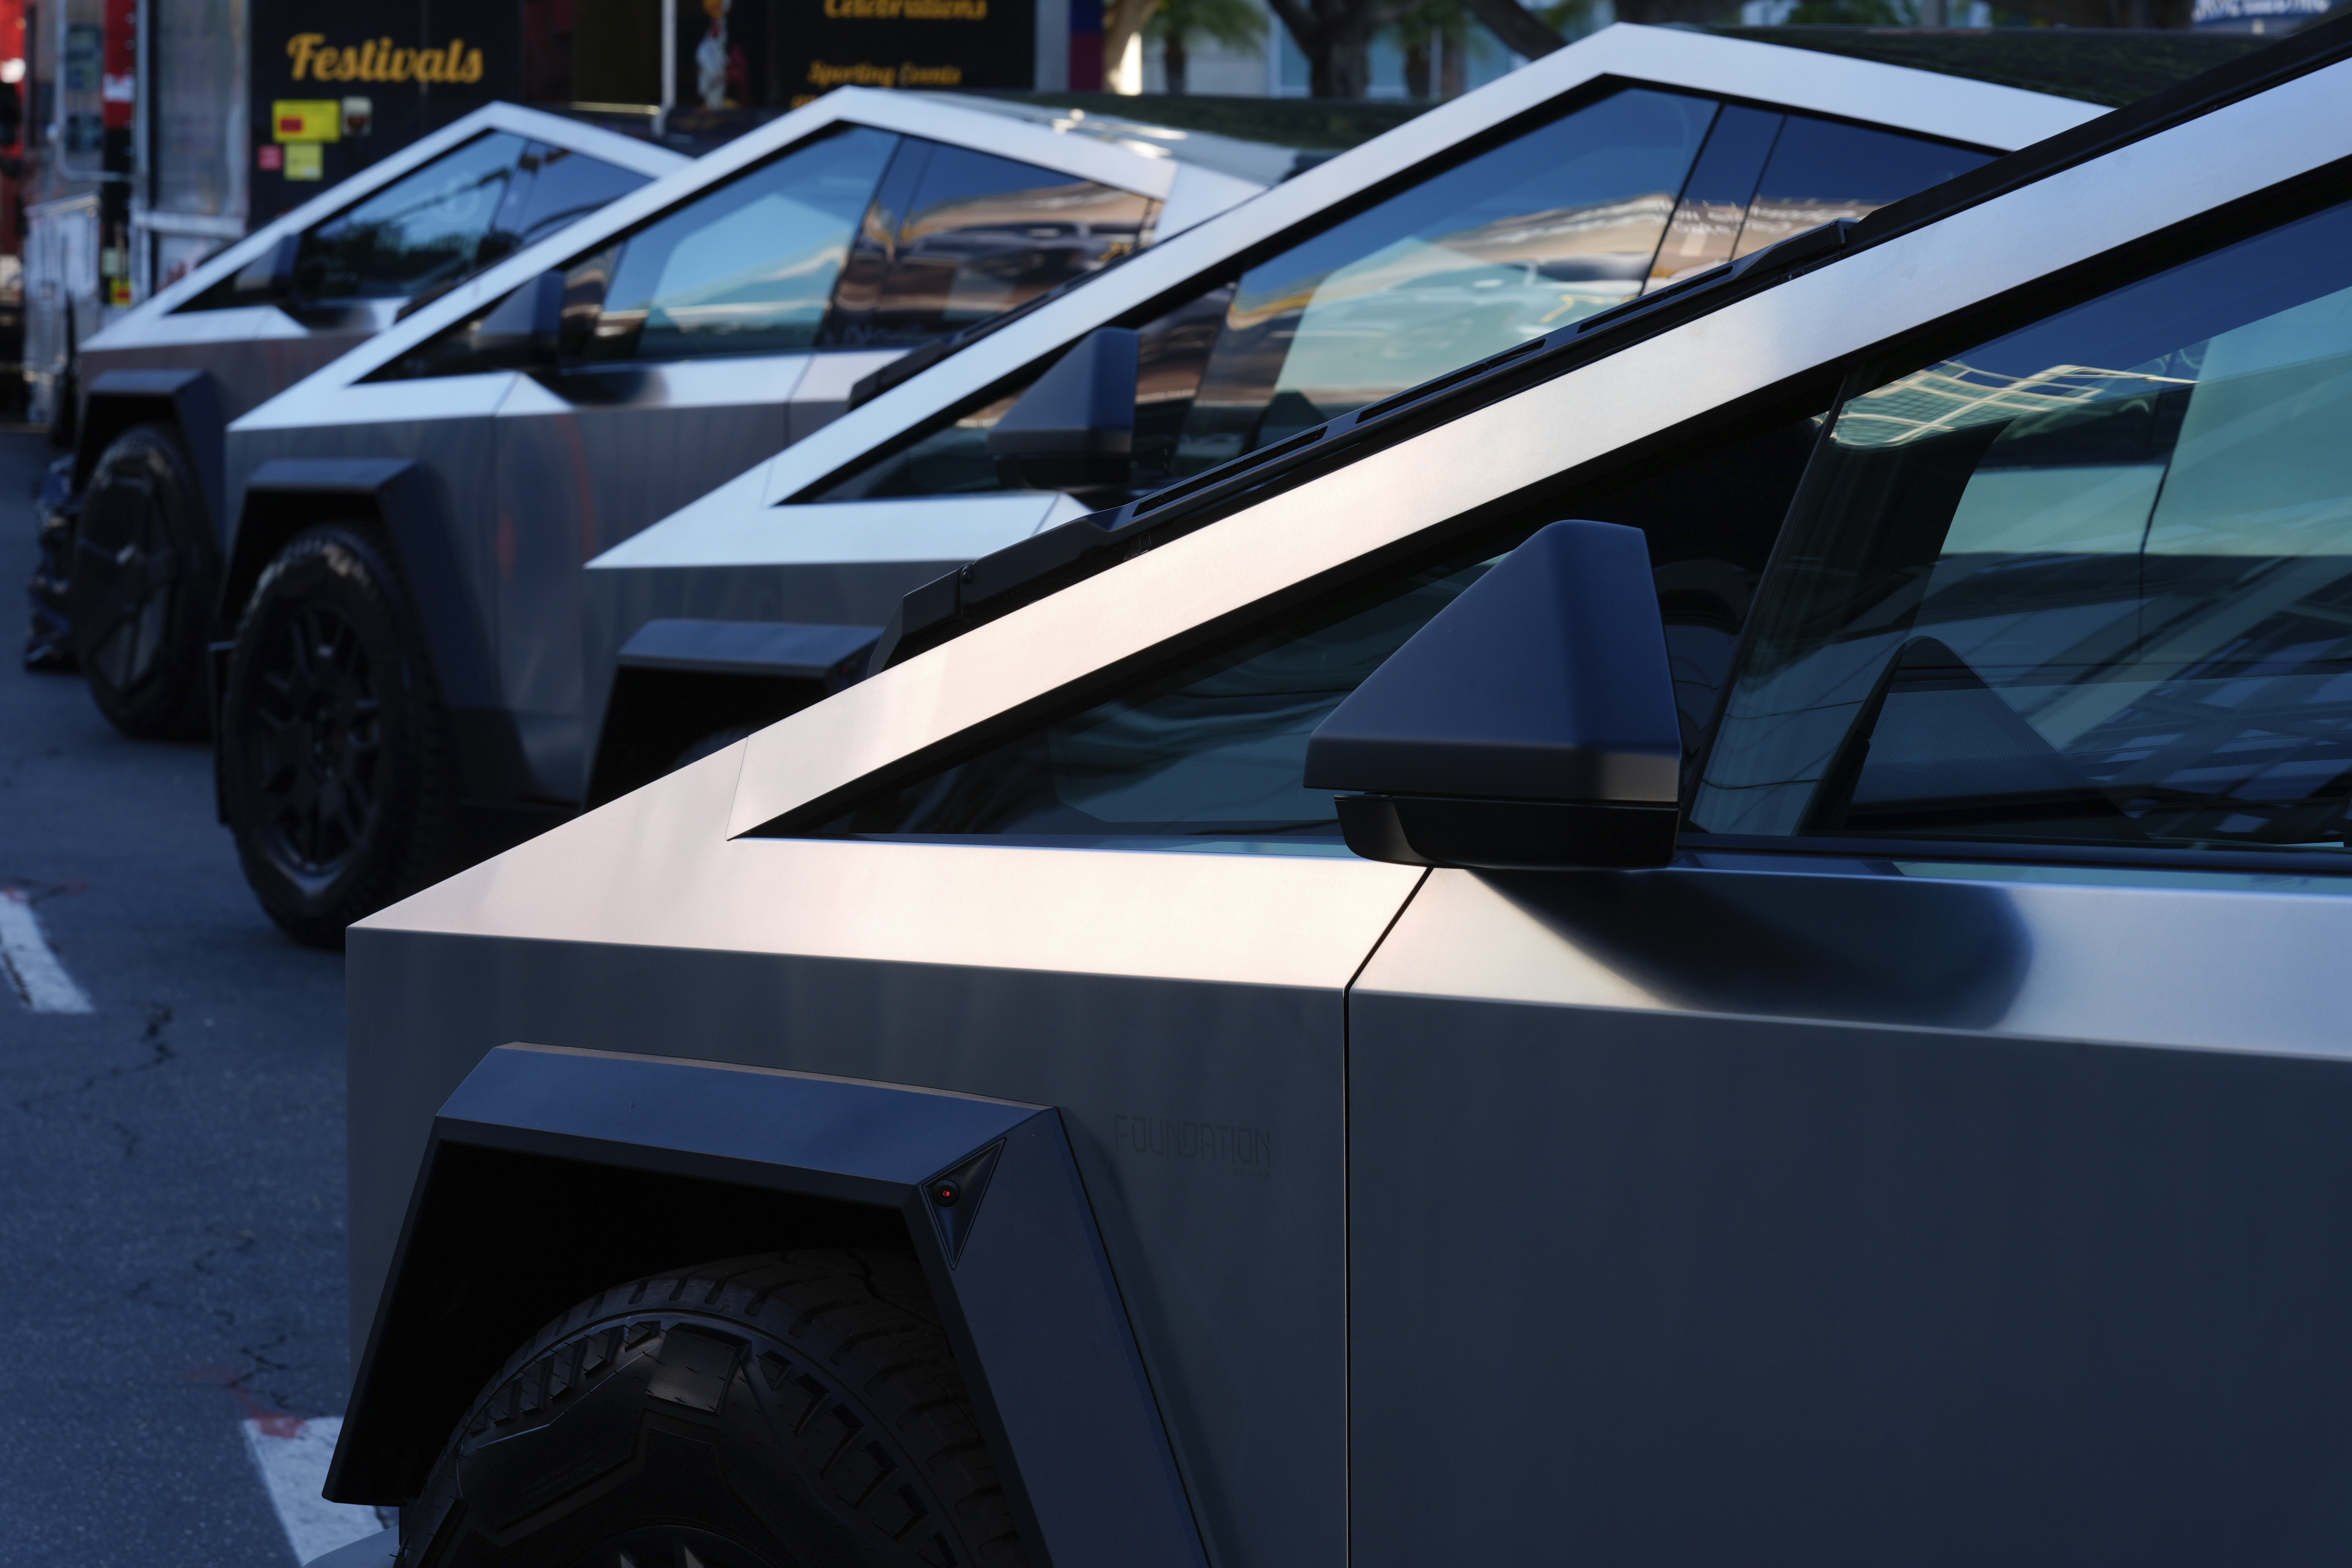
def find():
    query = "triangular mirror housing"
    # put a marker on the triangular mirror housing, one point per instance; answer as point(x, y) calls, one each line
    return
point(1530, 725)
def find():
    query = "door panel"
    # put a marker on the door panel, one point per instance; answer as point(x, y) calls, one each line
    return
point(584, 461)
point(1751, 1216)
point(1195, 1054)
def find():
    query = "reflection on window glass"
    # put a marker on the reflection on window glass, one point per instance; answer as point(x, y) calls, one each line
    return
point(748, 268)
point(422, 231)
point(2088, 582)
point(1526, 238)
point(952, 460)
point(955, 236)
point(1218, 749)
point(1821, 171)
point(554, 187)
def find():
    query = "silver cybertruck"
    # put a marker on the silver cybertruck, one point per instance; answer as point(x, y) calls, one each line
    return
point(1717, 944)
point(1516, 211)
point(132, 518)
point(410, 520)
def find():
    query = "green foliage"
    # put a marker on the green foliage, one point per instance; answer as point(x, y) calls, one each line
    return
point(1856, 13)
point(1571, 20)
point(1236, 24)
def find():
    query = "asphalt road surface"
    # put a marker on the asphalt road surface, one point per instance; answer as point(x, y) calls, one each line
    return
point(172, 1247)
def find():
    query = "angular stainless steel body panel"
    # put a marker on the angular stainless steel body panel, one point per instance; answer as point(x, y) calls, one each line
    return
point(842, 563)
point(584, 459)
point(1901, 1218)
point(1401, 490)
point(442, 446)
point(1183, 1011)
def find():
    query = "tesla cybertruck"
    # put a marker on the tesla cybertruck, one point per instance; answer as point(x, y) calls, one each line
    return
point(1560, 192)
point(142, 487)
point(440, 486)
point(1716, 942)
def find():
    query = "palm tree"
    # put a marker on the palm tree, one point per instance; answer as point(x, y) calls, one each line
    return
point(1236, 24)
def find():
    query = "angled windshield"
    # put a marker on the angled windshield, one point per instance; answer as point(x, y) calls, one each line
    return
point(2090, 582)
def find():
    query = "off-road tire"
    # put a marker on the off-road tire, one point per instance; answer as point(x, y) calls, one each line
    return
point(798, 1410)
point(336, 768)
point(143, 578)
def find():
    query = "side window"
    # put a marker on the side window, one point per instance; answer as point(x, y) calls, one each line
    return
point(957, 235)
point(1558, 223)
point(553, 188)
point(425, 230)
point(1218, 749)
point(2088, 583)
point(1622, 195)
point(748, 268)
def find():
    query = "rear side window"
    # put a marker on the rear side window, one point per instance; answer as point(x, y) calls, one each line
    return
point(554, 188)
point(2089, 583)
point(957, 235)
point(748, 268)
point(423, 230)
point(1766, 176)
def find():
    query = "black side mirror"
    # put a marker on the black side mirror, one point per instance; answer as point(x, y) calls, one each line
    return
point(1529, 726)
point(269, 279)
point(522, 331)
point(1074, 429)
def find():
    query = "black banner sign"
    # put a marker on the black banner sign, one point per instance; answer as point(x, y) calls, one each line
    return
point(825, 44)
point(389, 70)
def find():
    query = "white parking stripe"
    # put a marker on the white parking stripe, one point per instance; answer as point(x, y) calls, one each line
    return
point(25, 952)
point(292, 1455)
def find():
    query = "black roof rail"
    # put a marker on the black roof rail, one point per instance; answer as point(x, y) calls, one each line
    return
point(1021, 574)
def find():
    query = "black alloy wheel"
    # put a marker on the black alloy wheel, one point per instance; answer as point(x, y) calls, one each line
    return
point(800, 1410)
point(334, 752)
point(144, 575)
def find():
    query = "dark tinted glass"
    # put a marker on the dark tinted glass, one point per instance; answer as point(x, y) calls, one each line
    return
point(1218, 749)
point(422, 231)
point(952, 460)
point(1714, 205)
point(2090, 582)
point(1821, 171)
point(553, 187)
point(955, 237)
point(748, 267)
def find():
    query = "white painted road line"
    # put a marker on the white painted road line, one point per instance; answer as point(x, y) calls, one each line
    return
point(292, 1455)
point(25, 952)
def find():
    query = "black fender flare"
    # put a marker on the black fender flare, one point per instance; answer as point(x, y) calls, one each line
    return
point(287, 495)
point(191, 399)
point(1014, 1262)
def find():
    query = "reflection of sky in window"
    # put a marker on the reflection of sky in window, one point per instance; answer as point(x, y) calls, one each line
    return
point(1554, 226)
point(2150, 565)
